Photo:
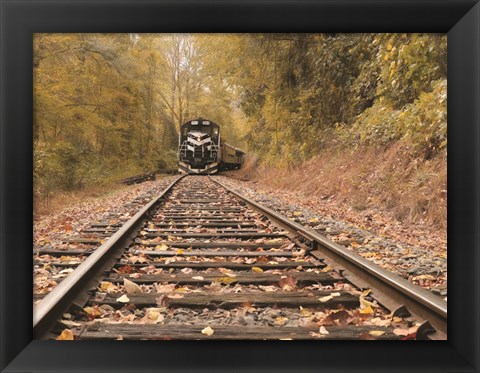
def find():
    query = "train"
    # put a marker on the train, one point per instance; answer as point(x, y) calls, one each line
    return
point(202, 151)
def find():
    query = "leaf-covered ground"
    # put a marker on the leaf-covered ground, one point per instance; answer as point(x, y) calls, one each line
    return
point(416, 253)
point(54, 229)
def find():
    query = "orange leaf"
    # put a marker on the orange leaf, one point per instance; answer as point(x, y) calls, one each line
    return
point(67, 335)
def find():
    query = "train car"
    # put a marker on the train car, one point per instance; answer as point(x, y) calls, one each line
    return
point(231, 157)
point(201, 151)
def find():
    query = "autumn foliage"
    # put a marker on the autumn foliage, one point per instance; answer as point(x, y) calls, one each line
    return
point(108, 106)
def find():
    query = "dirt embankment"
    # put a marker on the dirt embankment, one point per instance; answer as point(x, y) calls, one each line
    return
point(364, 182)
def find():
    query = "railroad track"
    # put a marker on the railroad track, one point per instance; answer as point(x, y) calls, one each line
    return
point(202, 262)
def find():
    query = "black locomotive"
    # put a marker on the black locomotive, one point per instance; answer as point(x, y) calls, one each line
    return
point(201, 151)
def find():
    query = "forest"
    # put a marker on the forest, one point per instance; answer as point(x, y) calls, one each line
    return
point(108, 106)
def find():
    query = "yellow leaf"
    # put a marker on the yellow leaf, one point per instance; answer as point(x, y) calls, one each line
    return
point(153, 315)
point(325, 299)
point(180, 252)
point(208, 331)
point(280, 320)
point(366, 292)
point(376, 333)
point(94, 312)
point(367, 311)
point(106, 286)
point(314, 220)
point(365, 303)
point(225, 280)
point(257, 270)
point(327, 269)
point(66, 335)
point(297, 213)
point(161, 247)
point(305, 312)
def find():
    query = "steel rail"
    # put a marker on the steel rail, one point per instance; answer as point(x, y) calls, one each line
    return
point(419, 302)
point(50, 308)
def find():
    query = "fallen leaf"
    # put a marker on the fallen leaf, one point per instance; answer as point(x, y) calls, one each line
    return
point(66, 335)
point(131, 287)
point(280, 320)
point(71, 324)
point(323, 331)
point(366, 292)
point(92, 312)
point(227, 272)
point(325, 299)
point(123, 299)
point(107, 286)
point(379, 322)
point(155, 316)
point(376, 333)
point(165, 288)
point(182, 290)
point(257, 269)
point(126, 269)
point(366, 311)
point(180, 252)
point(186, 270)
point(225, 280)
point(365, 303)
point(268, 288)
point(305, 312)
point(133, 259)
point(299, 253)
point(208, 331)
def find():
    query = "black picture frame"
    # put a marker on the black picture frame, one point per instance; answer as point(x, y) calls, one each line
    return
point(20, 19)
